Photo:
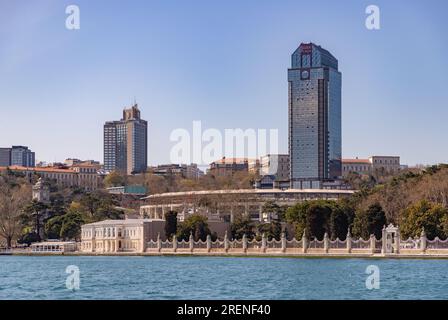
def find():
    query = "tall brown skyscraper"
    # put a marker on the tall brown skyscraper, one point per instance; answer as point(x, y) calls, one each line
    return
point(126, 143)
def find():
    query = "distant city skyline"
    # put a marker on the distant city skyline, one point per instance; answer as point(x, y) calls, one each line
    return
point(184, 62)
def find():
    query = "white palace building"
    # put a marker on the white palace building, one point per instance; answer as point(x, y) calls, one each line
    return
point(130, 235)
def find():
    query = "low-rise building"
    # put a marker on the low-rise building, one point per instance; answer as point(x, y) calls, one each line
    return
point(370, 165)
point(70, 162)
point(229, 166)
point(128, 190)
point(190, 171)
point(53, 246)
point(130, 235)
point(82, 176)
point(275, 164)
point(253, 166)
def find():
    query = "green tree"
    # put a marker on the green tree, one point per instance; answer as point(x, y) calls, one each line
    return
point(28, 236)
point(195, 224)
point(170, 224)
point(114, 179)
point(317, 219)
point(53, 227)
point(272, 230)
point(272, 208)
point(240, 226)
point(33, 212)
point(424, 214)
point(339, 223)
point(71, 226)
point(370, 221)
point(296, 215)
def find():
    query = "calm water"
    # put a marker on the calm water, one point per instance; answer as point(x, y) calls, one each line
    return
point(24, 277)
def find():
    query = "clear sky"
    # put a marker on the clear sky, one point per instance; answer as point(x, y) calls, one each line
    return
point(224, 63)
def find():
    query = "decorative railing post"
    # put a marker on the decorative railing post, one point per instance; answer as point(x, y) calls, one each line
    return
point(372, 243)
point(326, 243)
point(244, 243)
point(397, 242)
point(283, 242)
point(304, 242)
point(191, 242)
point(383, 241)
point(174, 243)
point(159, 243)
point(349, 241)
point(226, 242)
point(209, 243)
point(423, 240)
point(263, 243)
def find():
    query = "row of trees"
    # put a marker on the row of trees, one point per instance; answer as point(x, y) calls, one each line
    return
point(413, 200)
point(335, 218)
point(173, 183)
point(25, 220)
point(195, 225)
point(15, 192)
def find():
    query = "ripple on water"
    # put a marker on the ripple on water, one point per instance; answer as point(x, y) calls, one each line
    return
point(220, 278)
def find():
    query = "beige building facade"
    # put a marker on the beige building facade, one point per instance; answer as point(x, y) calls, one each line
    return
point(130, 235)
point(82, 176)
point(372, 164)
point(275, 164)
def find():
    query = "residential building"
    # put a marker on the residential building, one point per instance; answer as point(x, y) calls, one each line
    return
point(253, 166)
point(17, 156)
point(228, 166)
point(314, 94)
point(70, 162)
point(372, 164)
point(130, 235)
point(193, 172)
point(276, 165)
point(22, 156)
point(190, 171)
point(81, 176)
point(361, 166)
point(388, 163)
point(5, 157)
point(126, 143)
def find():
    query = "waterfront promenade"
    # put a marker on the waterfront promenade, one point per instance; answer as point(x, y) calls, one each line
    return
point(389, 246)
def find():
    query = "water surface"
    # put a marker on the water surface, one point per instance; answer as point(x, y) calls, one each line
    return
point(44, 277)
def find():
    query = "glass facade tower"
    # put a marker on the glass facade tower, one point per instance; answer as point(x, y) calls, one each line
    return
point(314, 89)
point(126, 143)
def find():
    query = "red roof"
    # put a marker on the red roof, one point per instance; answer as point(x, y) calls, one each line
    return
point(37, 169)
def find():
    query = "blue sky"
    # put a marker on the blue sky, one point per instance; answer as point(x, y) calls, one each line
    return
point(224, 63)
